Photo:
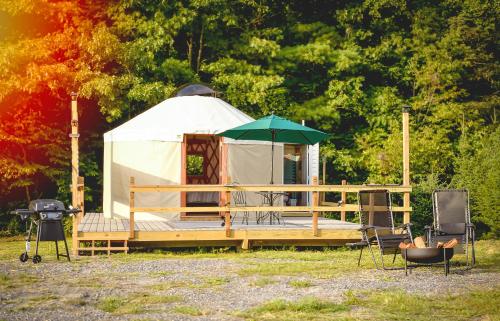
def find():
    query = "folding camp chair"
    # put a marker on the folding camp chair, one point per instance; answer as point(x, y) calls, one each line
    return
point(452, 220)
point(377, 226)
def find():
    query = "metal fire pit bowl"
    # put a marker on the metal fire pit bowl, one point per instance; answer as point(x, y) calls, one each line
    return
point(427, 256)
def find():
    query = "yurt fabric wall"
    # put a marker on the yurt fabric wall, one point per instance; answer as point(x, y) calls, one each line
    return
point(148, 147)
point(150, 163)
point(251, 164)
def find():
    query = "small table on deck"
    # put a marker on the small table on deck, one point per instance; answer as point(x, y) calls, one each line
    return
point(269, 198)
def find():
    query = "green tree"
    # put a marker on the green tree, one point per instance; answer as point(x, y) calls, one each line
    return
point(478, 170)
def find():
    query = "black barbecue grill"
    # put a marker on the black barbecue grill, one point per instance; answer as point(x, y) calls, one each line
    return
point(46, 215)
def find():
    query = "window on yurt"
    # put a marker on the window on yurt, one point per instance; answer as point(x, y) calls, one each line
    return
point(195, 165)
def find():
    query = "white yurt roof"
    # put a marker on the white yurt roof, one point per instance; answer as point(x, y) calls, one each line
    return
point(174, 117)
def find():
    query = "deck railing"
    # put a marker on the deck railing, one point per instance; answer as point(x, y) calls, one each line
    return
point(315, 207)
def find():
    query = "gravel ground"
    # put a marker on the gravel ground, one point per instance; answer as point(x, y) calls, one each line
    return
point(71, 291)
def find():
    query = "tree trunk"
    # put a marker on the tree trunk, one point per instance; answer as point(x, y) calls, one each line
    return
point(190, 51)
point(27, 191)
point(25, 161)
point(200, 50)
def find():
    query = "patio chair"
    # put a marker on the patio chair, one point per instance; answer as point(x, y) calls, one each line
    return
point(452, 220)
point(239, 199)
point(377, 226)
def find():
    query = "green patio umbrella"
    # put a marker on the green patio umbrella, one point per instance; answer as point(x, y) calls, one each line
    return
point(275, 129)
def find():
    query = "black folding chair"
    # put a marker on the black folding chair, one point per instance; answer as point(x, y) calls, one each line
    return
point(377, 226)
point(452, 220)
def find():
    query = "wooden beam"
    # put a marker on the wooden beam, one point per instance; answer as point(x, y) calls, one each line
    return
point(319, 208)
point(78, 217)
point(355, 207)
point(74, 150)
point(227, 213)
point(324, 171)
point(269, 188)
point(102, 236)
point(250, 234)
point(97, 248)
point(315, 203)
point(81, 197)
point(245, 244)
point(343, 198)
point(224, 179)
point(74, 167)
point(132, 210)
point(406, 160)
point(183, 170)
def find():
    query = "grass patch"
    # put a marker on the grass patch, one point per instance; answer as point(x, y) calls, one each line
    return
point(309, 308)
point(12, 247)
point(317, 269)
point(261, 282)
point(164, 286)
point(8, 282)
point(27, 303)
point(43, 298)
point(188, 310)
point(300, 283)
point(214, 281)
point(208, 282)
point(397, 305)
point(388, 305)
point(135, 303)
point(161, 273)
point(488, 255)
point(76, 301)
point(88, 281)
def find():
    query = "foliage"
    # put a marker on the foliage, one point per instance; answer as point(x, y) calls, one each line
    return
point(346, 67)
point(421, 200)
point(478, 169)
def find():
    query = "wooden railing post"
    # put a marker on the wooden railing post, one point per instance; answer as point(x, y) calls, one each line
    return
point(132, 214)
point(343, 198)
point(371, 209)
point(227, 214)
point(74, 167)
point(77, 218)
point(315, 202)
point(323, 195)
point(81, 197)
point(406, 160)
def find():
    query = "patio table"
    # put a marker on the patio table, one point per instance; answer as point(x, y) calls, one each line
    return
point(269, 198)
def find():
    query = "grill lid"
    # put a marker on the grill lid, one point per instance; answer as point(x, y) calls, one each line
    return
point(46, 205)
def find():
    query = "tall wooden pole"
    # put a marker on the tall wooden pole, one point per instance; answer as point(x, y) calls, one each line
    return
point(406, 159)
point(74, 150)
point(75, 199)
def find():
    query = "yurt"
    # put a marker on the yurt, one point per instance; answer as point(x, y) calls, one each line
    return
point(174, 142)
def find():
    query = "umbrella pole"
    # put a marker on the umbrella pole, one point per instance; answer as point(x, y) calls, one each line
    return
point(272, 158)
point(272, 175)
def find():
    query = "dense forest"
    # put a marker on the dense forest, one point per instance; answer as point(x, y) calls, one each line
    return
point(346, 67)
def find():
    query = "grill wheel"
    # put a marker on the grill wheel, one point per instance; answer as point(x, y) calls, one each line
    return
point(37, 259)
point(23, 257)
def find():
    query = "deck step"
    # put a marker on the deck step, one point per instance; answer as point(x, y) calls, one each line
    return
point(100, 245)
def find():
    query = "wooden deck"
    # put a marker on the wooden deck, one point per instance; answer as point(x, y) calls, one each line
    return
point(294, 231)
point(96, 222)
